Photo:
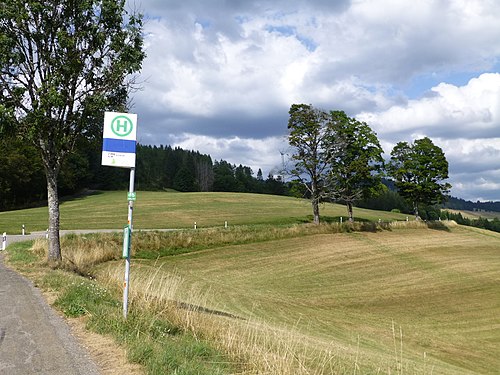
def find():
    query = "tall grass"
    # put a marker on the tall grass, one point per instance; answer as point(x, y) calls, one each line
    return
point(83, 252)
point(254, 346)
point(148, 336)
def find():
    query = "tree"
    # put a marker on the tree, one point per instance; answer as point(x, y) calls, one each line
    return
point(224, 179)
point(22, 180)
point(259, 175)
point(419, 170)
point(62, 63)
point(307, 126)
point(355, 159)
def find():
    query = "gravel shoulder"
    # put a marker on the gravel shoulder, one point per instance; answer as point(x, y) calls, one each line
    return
point(33, 338)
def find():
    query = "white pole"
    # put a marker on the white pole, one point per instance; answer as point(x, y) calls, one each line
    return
point(23, 229)
point(4, 240)
point(127, 260)
point(195, 225)
point(225, 224)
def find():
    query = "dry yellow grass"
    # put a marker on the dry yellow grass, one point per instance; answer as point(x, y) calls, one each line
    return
point(328, 303)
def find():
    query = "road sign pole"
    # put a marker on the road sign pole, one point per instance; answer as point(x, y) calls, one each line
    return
point(127, 260)
point(119, 141)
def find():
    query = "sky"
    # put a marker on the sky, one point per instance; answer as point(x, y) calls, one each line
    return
point(221, 75)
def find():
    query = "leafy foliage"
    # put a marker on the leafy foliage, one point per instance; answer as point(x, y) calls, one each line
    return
point(62, 63)
point(307, 129)
point(419, 170)
point(355, 160)
point(336, 157)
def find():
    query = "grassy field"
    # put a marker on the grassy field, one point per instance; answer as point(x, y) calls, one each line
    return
point(490, 215)
point(163, 210)
point(402, 301)
point(275, 296)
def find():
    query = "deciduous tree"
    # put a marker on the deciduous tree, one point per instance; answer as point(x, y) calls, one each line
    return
point(419, 171)
point(306, 134)
point(355, 157)
point(62, 63)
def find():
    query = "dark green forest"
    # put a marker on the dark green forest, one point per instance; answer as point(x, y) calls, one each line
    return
point(23, 184)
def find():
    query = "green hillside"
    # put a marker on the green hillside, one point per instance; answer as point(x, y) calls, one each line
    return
point(292, 299)
point(163, 210)
point(413, 301)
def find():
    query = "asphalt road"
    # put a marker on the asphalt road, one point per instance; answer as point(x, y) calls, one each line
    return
point(33, 339)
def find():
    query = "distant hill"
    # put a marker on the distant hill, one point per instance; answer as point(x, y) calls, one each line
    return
point(461, 204)
point(454, 203)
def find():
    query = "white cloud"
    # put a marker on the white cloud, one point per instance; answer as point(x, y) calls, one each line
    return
point(255, 153)
point(468, 111)
point(221, 75)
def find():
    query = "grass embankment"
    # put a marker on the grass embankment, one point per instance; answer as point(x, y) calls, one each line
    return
point(304, 300)
point(164, 210)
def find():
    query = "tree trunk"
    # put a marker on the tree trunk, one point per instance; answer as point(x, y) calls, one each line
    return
point(315, 200)
point(315, 207)
point(54, 255)
point(415, 208)
point(349, 212)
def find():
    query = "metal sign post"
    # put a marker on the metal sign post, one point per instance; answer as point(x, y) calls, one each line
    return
point(127, 243)
point(118, 150)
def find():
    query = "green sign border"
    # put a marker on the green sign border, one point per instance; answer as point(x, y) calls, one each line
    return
point(128, 119)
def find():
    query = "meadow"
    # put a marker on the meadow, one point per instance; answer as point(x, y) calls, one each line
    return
point(170, 209)
point(277, 296)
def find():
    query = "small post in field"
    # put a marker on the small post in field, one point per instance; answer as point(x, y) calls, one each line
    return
point(341, 220)
point(225, 224)
point(23, 230)
point(195, 225)
point(4, 240)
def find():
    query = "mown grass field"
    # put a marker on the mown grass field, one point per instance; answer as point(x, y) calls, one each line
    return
point(279, 297)
point(402, 301)
point(165, 210)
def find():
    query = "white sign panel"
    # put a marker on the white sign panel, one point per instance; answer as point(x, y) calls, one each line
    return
point(119, 139)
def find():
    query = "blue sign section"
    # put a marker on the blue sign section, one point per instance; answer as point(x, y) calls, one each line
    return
point(118, 145)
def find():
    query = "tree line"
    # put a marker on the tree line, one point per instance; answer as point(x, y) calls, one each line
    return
point(22, 177)
point(339, 158)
